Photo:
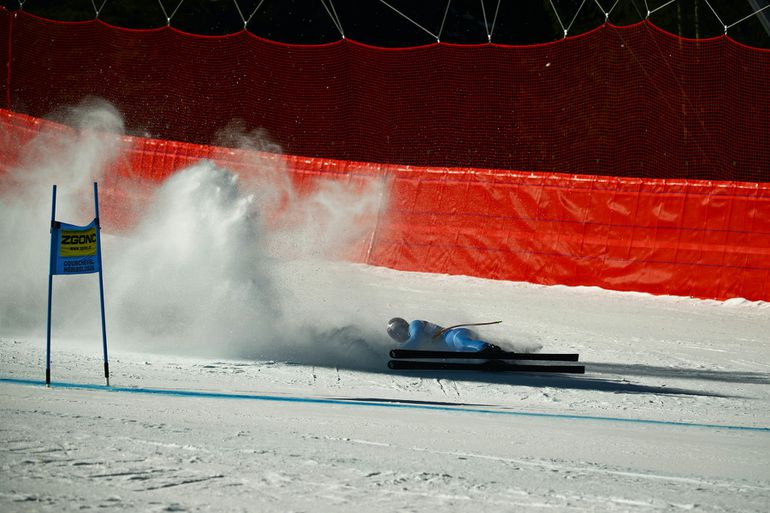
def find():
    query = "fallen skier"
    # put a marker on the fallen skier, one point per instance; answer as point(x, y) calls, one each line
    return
point(423, 340)
point(420, 334)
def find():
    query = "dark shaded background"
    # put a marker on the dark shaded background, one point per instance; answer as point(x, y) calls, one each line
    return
point(372, 22)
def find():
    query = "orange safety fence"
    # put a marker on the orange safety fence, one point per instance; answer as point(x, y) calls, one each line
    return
point(707, 239)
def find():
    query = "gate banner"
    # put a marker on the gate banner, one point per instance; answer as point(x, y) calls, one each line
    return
point(74, 249)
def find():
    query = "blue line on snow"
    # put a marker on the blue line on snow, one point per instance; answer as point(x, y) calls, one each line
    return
point(354, 402)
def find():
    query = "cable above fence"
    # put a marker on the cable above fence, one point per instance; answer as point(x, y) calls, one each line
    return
point(514, 19)
point(619, 101)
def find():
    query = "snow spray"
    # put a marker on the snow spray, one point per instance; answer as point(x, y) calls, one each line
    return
point(208, 269)
point(73, 159)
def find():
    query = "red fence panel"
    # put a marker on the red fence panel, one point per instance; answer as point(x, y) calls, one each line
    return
point(693, 238)
point(706, 239)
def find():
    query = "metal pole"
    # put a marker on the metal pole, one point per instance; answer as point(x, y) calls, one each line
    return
point(101, 283)
point(50, 290)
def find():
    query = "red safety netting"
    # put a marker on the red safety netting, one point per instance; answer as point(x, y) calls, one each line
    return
point(622, 101)
point(706, 239)
point(5, 39)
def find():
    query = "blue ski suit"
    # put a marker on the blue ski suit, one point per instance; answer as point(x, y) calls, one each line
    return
point(421, 335)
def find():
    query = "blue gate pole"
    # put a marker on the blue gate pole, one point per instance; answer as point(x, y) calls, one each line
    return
point(50, 290)
point(101, 283)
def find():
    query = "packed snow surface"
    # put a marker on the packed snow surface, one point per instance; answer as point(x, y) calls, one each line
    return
point(249, 368)
point(408, 441)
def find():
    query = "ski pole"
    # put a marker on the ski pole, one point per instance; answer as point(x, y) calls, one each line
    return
point(444, 330)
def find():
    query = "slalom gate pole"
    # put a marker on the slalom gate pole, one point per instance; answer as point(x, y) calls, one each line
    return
point(101, 283)
point(50, 290)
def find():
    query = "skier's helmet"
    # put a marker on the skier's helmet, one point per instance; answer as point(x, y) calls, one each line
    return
point(398, 329)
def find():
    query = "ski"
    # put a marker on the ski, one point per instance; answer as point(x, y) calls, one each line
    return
point(498, 355)
point(490, 366)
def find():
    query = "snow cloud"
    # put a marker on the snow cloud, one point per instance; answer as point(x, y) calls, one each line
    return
point(220, 263)
point(73, 159)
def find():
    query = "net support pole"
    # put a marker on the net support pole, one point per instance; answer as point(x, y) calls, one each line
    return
point(50, 290)
point(101, 283)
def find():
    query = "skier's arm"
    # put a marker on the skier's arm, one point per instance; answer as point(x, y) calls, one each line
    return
point(415, 329)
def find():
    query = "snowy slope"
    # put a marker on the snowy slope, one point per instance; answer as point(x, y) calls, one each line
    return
point(465, 443)
point(249, 373)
